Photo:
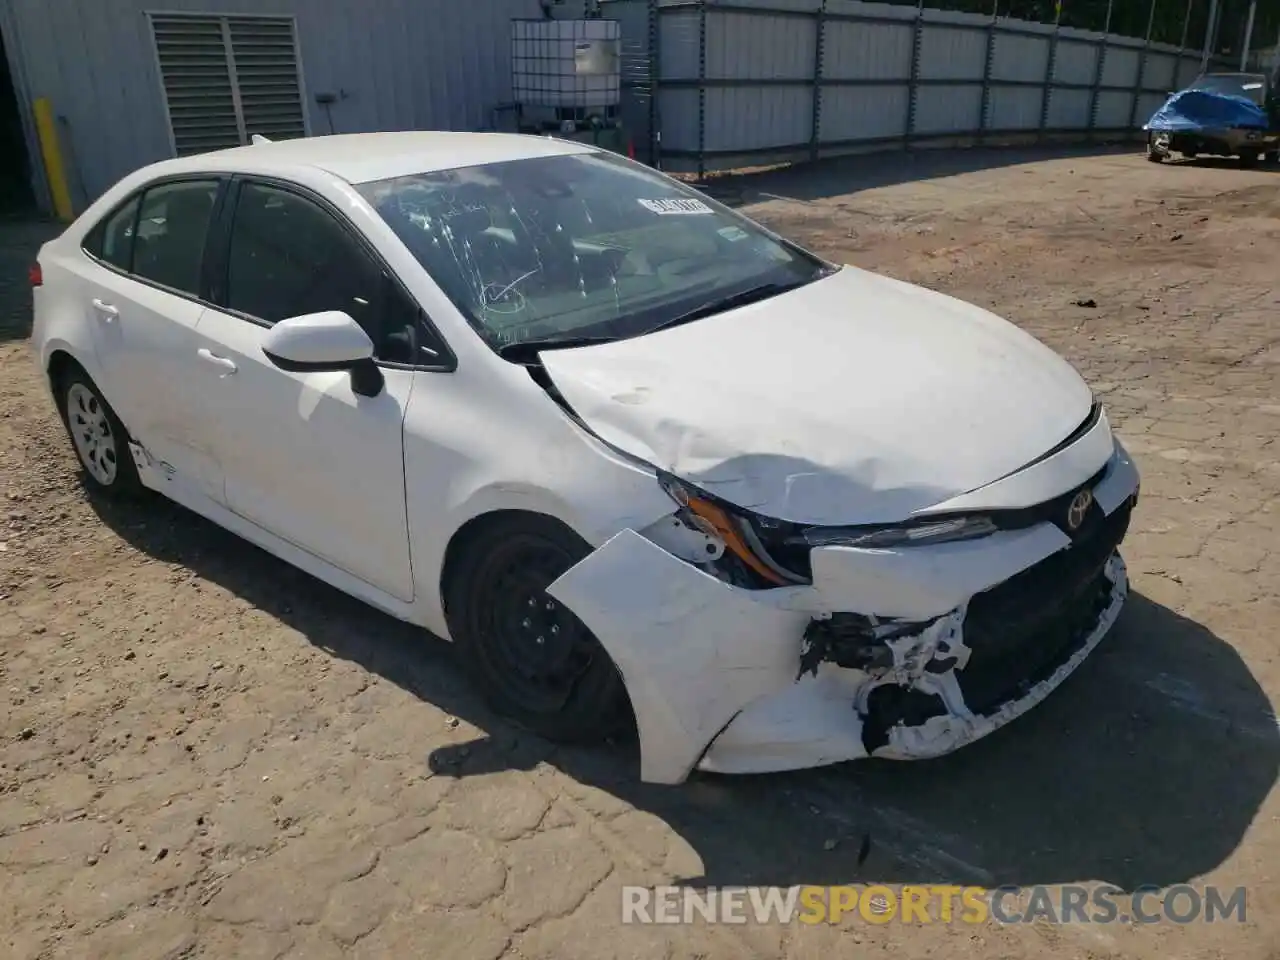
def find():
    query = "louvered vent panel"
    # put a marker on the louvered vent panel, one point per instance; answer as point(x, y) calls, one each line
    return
point(266, 62)
point(219, 98)
point(197, 83)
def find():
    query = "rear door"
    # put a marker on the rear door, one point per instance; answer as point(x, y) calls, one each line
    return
point(143, 295)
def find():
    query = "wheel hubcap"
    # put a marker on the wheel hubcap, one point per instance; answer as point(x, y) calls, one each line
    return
point(91, 431)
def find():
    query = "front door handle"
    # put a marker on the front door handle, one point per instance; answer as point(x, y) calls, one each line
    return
point(228, 365)
point(108, 311)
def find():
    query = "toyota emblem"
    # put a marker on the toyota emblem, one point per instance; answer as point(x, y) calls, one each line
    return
point(1078, 510)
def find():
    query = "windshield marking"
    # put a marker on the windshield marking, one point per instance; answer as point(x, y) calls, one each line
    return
point(675, 206)
point(577, 247)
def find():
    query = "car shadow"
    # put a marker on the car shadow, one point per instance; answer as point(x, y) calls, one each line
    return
point(1221, 163)
point(839, 176)
point(1147, 767)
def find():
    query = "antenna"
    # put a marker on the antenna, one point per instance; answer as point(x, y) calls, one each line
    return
point(258, 139)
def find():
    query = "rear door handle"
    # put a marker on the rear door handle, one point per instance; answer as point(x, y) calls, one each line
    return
point(108, 311)
point(228, 365)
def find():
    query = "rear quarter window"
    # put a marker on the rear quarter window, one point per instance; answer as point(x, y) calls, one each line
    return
point(111, 240)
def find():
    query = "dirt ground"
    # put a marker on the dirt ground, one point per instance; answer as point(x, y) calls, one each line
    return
point(204, 753)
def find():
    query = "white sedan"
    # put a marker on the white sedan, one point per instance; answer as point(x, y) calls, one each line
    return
point(638, 457)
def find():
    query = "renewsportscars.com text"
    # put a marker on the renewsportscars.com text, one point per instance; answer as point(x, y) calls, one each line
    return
point(933, 903)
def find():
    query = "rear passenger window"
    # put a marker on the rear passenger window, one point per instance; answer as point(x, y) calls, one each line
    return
point(170, 237)
point(112, 239)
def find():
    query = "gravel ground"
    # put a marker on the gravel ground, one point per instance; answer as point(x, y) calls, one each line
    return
point(204, 753)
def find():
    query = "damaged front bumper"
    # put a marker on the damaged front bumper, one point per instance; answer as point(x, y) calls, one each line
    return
point(904, 653)
point(1224, 141)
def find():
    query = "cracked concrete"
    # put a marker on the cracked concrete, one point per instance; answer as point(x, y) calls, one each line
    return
point(204, 753)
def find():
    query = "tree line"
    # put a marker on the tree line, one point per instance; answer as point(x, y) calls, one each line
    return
point(1129, 18)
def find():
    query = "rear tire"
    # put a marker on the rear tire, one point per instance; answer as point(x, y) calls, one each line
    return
point(1272, 157)
point(1248, 160)
point(530, 657)
point(99, 439)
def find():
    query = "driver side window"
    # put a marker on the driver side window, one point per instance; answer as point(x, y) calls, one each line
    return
point(289, 256)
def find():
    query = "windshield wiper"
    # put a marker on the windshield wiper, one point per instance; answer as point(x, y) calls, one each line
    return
point(754, 294)
point(529, 349)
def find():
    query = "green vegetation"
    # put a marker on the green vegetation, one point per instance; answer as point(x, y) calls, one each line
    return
point(1129, 18)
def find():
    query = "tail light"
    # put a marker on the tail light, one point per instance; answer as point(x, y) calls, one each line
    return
point(35, 275)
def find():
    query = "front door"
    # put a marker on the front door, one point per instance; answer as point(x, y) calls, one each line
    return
point(304, 456)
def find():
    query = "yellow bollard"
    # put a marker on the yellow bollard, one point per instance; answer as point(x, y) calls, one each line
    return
point(47, 130)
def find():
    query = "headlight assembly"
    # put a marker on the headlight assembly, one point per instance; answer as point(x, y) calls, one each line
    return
point(947, 530)
point(737, 532)
point(776, 553)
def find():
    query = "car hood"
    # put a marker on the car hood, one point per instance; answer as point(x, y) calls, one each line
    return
point(854, 399)
point(1208, 110)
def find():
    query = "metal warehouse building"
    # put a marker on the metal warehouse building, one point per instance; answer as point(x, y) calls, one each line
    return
point(128, 82)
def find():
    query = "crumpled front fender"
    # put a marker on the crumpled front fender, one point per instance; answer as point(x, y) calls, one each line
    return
point(717, 674)
point(711, 670)
point(692, 650)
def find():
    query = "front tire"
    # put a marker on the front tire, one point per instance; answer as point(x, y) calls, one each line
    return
point(1272, 157)
point(531, 658)
point(98, 437)
point(1248, 160)
point(1157, 147)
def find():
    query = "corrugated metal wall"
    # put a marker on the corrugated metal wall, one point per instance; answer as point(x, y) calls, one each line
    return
point(394, 64)
point(735, 79)
point(745, 82)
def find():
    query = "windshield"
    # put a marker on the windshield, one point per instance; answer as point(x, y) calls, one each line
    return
point(1251, 86)
point(581, 246)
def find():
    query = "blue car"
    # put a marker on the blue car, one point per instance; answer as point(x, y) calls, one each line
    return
point(1220, 114)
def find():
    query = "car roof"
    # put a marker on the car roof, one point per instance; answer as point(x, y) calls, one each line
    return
point(362, 157)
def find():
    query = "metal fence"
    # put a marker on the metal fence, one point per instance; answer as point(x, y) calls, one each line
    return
point(721, 84)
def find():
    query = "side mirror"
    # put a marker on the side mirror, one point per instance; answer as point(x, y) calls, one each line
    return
point(327, 341)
